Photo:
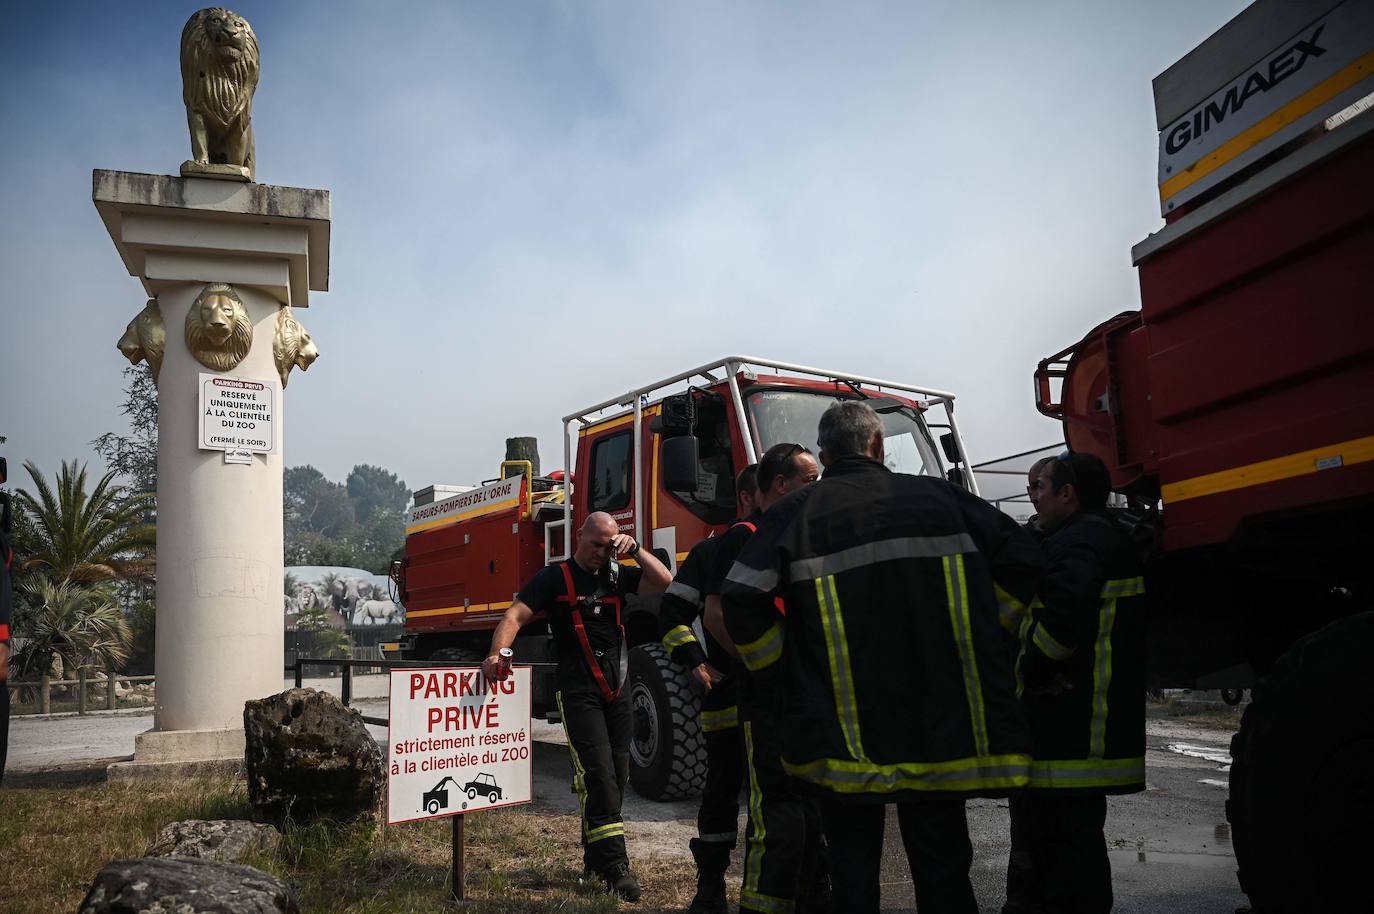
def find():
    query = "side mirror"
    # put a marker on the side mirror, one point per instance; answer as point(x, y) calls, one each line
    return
point(950, 448)
point(679, 456)
point(956, 476)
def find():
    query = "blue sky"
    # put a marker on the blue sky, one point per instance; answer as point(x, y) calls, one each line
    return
point(537, 206)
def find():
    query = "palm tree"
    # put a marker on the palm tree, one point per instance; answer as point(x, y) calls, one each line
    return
point(86, 538)
point(78, 624)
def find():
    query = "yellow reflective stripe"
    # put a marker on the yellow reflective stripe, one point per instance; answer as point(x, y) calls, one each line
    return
point(1010, 611)
point(601, 833)
point(1267, 126)
point(1123, 587)
point(956, 590)
point(723, 719)
point(753, 860)
point(579, 783)
point(1102, 680)
point(1303, 463)
point(757, 901)
point(677, 637)
point(1022, 639)
point(1052, 648)
point(764, 652)
point(973, 773)
point(841, 672)
point(1071, 773)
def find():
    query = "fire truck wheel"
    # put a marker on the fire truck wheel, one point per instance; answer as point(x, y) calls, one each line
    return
point(1302, 775)
point(667, 749)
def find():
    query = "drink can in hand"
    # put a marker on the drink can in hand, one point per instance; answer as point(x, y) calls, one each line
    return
point(503, 664)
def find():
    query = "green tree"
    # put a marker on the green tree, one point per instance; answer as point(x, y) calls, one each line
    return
point(78, 624)
point(330, 642)
point(313, 504)
point(81, 537)
point(134, 456)
point(375, 493)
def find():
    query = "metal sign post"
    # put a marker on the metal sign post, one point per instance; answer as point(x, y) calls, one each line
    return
point(458, 742)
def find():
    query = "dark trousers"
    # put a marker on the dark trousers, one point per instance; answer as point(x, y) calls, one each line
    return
point(784, 861)
point(938, 851)
point(599, 743)
point(4, 726)
point(718, 817)
point(1023, 881)
point(1068, 851)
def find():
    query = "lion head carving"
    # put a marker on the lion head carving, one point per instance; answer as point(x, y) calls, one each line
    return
point(292, 345)
point(219, 73)
point(145, 338)
point(218, 331)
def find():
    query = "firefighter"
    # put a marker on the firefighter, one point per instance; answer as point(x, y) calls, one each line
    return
point(6, 601)
point(890, 675)
point(1022, 881)
point(582, 600)
point(784, 865)
point(710, 667)
point(1082, 675)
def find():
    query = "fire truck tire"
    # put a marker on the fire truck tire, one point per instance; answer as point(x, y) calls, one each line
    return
point(667, 749)
point(1302, 775)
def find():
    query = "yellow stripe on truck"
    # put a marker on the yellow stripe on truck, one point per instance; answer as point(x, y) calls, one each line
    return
point(474, 608)
point(1264, 128)
point(1331, 456)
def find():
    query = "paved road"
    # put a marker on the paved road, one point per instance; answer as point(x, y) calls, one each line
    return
point(1171, 847)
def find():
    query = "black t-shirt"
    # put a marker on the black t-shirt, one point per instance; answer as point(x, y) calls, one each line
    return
point(543, 590)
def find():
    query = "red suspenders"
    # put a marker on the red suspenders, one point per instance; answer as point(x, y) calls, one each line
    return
point(575, 610)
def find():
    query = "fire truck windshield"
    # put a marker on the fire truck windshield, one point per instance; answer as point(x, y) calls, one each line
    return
point(793, 415)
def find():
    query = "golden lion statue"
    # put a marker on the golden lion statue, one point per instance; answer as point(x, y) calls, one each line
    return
point(219, 72)
point(218, 331)
point(145, 338)
point(292, 346)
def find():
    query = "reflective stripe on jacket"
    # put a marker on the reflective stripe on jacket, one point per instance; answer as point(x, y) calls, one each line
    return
point(894, 676)
point(1086, 629)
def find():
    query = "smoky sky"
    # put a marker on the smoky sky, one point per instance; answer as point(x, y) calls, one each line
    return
point(538, 206)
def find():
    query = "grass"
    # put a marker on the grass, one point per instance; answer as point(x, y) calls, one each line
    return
point(517, 859)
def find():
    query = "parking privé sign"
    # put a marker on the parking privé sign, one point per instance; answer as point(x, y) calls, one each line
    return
point(459, 742)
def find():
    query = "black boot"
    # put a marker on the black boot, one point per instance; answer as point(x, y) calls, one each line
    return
point(621, 881)
point(710, 896)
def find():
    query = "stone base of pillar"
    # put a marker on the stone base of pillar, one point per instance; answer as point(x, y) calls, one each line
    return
point(182, 752)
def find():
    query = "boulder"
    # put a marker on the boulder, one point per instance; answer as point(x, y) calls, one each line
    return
point(225, 840)
point(309, 757)
point(174, 884)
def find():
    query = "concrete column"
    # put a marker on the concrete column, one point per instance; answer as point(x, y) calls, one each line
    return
point(220, 638)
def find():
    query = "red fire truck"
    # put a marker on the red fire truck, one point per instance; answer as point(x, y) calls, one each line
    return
point(1235, 410)
point(662, 460)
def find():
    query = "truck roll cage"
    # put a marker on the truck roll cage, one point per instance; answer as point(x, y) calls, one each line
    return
point(728, 370)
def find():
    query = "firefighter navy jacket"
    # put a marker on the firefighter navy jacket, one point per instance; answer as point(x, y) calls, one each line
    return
point(895, 678)
point(1087, 629)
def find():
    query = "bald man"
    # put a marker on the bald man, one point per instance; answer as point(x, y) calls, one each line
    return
point(583, 600)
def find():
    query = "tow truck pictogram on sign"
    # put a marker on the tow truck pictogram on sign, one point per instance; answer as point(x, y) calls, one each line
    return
point(484, 784)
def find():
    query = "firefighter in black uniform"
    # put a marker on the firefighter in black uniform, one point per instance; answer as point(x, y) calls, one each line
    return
point(1082, 677)
point(582, 599)
point(784, 867)
point(892, 677)
point(710, 667)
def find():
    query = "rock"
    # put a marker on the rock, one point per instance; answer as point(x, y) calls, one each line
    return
point(309, 757)
point(225, 840)
point(185, 884)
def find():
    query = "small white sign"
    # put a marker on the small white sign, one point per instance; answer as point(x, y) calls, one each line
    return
point(238, 455)
point(459, 742)
point(237, 414)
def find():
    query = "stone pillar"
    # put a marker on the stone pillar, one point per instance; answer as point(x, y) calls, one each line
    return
point(220, 634)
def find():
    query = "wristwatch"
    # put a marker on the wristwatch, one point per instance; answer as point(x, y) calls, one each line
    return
point(635, 551)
